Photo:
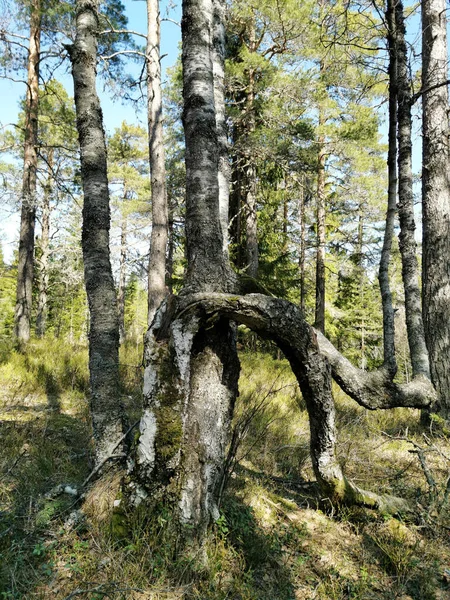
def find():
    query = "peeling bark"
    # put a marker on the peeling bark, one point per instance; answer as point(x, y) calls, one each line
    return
point(106, 409)
point(192, 370)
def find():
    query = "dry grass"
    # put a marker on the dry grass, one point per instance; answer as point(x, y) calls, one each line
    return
point(277, 538)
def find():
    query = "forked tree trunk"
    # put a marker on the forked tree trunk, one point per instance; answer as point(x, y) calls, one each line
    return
point(191, 374)
point(25, 265)
point(284, 323)
point(104, 325)
point(436, 196)
point(158, 243)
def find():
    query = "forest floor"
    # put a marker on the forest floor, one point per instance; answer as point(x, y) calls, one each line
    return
point(276, 539)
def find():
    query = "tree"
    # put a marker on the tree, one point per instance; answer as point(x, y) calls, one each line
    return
point(436, 196)
point(191, 369)
point(158, 243)
point(106, 409)
point(25, 266)
point(127, 172)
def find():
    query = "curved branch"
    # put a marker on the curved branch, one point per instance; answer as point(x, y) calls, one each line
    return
point(284, 322)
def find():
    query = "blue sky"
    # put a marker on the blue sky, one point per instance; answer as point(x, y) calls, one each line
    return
point(114, 112)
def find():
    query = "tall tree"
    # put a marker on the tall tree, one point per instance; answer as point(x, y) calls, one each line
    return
point(25, 266)
point(104, 326)
point(158, 243)
point(192, 369)
point(436, 196)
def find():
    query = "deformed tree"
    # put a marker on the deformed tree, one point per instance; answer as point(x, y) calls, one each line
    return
point(191, 372)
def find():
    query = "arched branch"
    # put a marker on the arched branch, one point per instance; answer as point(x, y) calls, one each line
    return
point(284, 323)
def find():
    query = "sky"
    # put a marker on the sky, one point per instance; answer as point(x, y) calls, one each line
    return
point(114, 112)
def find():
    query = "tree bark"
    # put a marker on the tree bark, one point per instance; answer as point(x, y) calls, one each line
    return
point(319, 319)
point(436, 196)
point(224, 172)
point(106, 409)
point(284, 323)
point(25, 265)
point(383, 274)
point(410, 271)
point(41, 318)
point(122, 275)
point(302, 244)
point(191, 374)
point(158, 243)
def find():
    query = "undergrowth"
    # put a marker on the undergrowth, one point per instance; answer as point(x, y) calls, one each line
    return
point(276, 538)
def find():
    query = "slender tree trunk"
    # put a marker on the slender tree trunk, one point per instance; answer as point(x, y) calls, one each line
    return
point(222, 133)
point(104, 325)
point(319, 320)
point(407, 243)
point(41, 318)
point(158, 243)
point(383, 274)
point(191, 374)
point(25, 266)
point(302, 248)
point(251, 222)
point(436, 196)
point(170, 247)
point(122, 277)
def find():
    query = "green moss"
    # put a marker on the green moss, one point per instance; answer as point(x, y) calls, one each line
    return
point(167, 411)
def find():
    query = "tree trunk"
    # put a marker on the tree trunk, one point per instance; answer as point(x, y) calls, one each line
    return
point(224, 173)
point(158, 243)
point(191, 374)
point(302, 245)
point(122, 277)
point(407, 243)
point(284, 323)
point(41, 318)
point(25, 265)
point(251, 222)
point(319, 319)
point(104, 325)
point(436, 196)
point(383, 273)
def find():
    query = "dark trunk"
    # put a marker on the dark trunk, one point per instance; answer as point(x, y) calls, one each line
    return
point(104, 325)
point(25, 265)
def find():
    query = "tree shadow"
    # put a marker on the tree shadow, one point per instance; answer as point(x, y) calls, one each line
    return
point(40, 450)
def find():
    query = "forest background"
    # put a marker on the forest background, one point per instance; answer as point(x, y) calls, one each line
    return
point(256, 551)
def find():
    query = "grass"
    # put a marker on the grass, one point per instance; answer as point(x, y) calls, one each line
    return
point(276, 539)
